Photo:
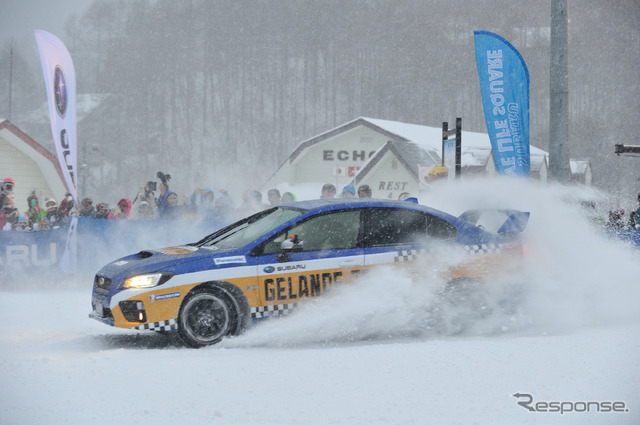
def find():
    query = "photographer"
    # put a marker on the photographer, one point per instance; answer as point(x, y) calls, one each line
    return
point(55, 217)
point(147, 197)
point(162, 202)
point(103, 211)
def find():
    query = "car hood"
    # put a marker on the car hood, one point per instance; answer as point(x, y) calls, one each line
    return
point(177, 259)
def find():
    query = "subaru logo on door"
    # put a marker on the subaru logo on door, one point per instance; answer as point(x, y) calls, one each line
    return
point(60, 92)
point(269, 269)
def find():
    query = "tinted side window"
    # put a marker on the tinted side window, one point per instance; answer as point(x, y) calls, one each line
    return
point(325, 232)
point(389, 226)
point(440, 229)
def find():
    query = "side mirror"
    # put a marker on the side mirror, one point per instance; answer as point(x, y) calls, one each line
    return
point(288, 246)
point(292, 244)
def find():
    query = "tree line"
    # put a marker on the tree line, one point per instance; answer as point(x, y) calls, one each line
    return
point(203, 89)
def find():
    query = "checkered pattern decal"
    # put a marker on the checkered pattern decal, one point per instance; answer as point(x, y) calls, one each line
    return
point(413, 254)
point(408, 255)
point(482, 249)
point(271, 310)
point(165, 325)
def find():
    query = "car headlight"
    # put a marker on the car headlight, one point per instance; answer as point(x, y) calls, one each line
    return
point(147, 280)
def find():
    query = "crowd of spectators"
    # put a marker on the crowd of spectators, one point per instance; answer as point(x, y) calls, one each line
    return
point(202, 205)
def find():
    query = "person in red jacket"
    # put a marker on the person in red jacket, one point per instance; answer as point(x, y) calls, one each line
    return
point(124, 205)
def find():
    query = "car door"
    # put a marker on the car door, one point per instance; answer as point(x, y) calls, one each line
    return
point(327, 254)
point(398, 235)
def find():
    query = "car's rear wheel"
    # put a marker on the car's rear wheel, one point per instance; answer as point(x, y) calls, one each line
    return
point(206, 316)
point(463, 303)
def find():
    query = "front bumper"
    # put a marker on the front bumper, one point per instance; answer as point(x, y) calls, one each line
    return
point(99, 312)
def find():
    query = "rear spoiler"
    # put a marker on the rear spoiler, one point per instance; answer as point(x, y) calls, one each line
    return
point(516, 221)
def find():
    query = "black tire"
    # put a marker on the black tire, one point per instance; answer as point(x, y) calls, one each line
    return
point(463, 303)
point(465, 292)
point(206, 316)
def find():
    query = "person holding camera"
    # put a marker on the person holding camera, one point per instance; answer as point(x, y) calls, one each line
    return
point(146, 201)
point(163, 200)
point(54, 216)
point(102, 211)
point(163, 204)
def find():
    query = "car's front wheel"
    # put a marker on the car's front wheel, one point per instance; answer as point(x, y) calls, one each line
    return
point(205, 317)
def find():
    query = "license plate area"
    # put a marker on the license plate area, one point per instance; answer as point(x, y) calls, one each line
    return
point(98, 308)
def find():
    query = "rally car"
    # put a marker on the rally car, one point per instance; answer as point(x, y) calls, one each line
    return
point(266, 264)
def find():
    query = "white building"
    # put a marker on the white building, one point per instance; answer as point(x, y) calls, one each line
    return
point(388, 156)
point(31, 166)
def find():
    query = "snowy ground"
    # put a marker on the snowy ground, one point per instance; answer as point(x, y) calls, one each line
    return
point(359, 356)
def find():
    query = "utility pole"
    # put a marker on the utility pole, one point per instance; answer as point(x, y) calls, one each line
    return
point(559, 94)
point(10, 77)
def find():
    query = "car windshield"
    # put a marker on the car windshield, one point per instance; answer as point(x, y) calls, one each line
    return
point(245, 231)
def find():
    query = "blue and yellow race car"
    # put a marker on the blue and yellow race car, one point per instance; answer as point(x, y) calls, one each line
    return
point(266, 264)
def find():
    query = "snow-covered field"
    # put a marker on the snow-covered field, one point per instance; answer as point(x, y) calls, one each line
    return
point(363, 354)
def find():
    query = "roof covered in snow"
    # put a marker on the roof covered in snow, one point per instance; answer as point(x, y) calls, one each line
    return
point(431, 137)
point(425, 137)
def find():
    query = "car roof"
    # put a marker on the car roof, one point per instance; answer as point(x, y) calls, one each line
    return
point(331, 204)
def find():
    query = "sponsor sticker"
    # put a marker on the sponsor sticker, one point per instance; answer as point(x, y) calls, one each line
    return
point(271, 269)
point(154, 298)
point(60, 92)
point(289, 267)
point(177, 250)
point(240, 259)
